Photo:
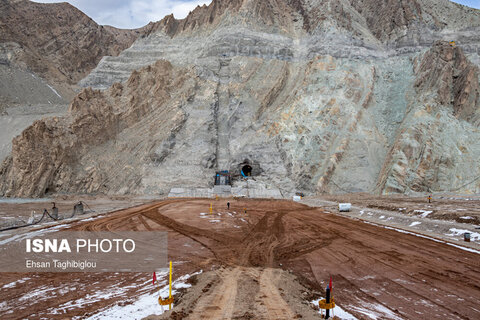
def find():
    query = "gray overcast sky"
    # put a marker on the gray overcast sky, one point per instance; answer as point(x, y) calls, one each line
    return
point(132, 13)
point(137, 13)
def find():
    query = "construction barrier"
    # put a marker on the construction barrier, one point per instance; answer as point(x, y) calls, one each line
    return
point(54, 215)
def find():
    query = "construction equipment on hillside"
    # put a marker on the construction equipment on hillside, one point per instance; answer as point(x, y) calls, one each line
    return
point(453, 44)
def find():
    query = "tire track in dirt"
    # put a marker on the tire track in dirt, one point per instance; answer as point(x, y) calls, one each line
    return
point(373, 268)
point(396, 261)
point(269, 241)
point(276, 307)
point(220, 302)
point(217, 243)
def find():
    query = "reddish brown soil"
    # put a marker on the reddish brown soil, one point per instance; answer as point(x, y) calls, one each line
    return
point(375, 270)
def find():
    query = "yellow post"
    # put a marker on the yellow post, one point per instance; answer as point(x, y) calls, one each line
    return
point(170, 287)
point(211, 208)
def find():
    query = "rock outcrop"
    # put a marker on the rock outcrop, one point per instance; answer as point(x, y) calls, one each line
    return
point(313, 95)
point(130, 120)
point(57, 41)
point(447, 72)
point(436, 148)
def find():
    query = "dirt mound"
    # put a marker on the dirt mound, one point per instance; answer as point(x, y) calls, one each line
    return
point(244, 293)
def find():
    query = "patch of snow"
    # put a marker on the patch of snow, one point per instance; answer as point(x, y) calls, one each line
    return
point(425, 237)
point(381, 217)
point(145, 305)
point(474, 236)
point(93, 218)
point(424, 213)
point(415, 223)
point(40, 292)
point(381, 312)
point(405, 282)
point(338, 312)
point(14, 283)
point(19, 237)
point(466, 218)
point(203, 214)
point(214, 220)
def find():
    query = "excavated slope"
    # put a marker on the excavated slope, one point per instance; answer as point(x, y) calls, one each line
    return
point(317, 96)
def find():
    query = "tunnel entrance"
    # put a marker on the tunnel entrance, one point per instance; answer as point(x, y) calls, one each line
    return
point(247, 170)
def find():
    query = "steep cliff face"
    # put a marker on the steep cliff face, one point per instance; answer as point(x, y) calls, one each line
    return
point(57, 41)
point(103, 143)
point(437, 146)
point(446, 72)
point(313, 94)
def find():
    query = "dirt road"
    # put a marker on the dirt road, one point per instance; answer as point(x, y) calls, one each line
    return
point(377, 272)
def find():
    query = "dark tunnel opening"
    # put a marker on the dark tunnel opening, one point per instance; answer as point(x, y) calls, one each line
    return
point(247, 171)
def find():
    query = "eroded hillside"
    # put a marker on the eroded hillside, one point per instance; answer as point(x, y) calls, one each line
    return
point(317, 96)
point(56, 41)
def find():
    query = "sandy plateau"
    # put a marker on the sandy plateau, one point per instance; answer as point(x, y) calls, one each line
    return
point(271, 262)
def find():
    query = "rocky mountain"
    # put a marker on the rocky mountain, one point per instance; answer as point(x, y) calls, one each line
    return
point(45, 49)
point(315, 96)
point(56, 42)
